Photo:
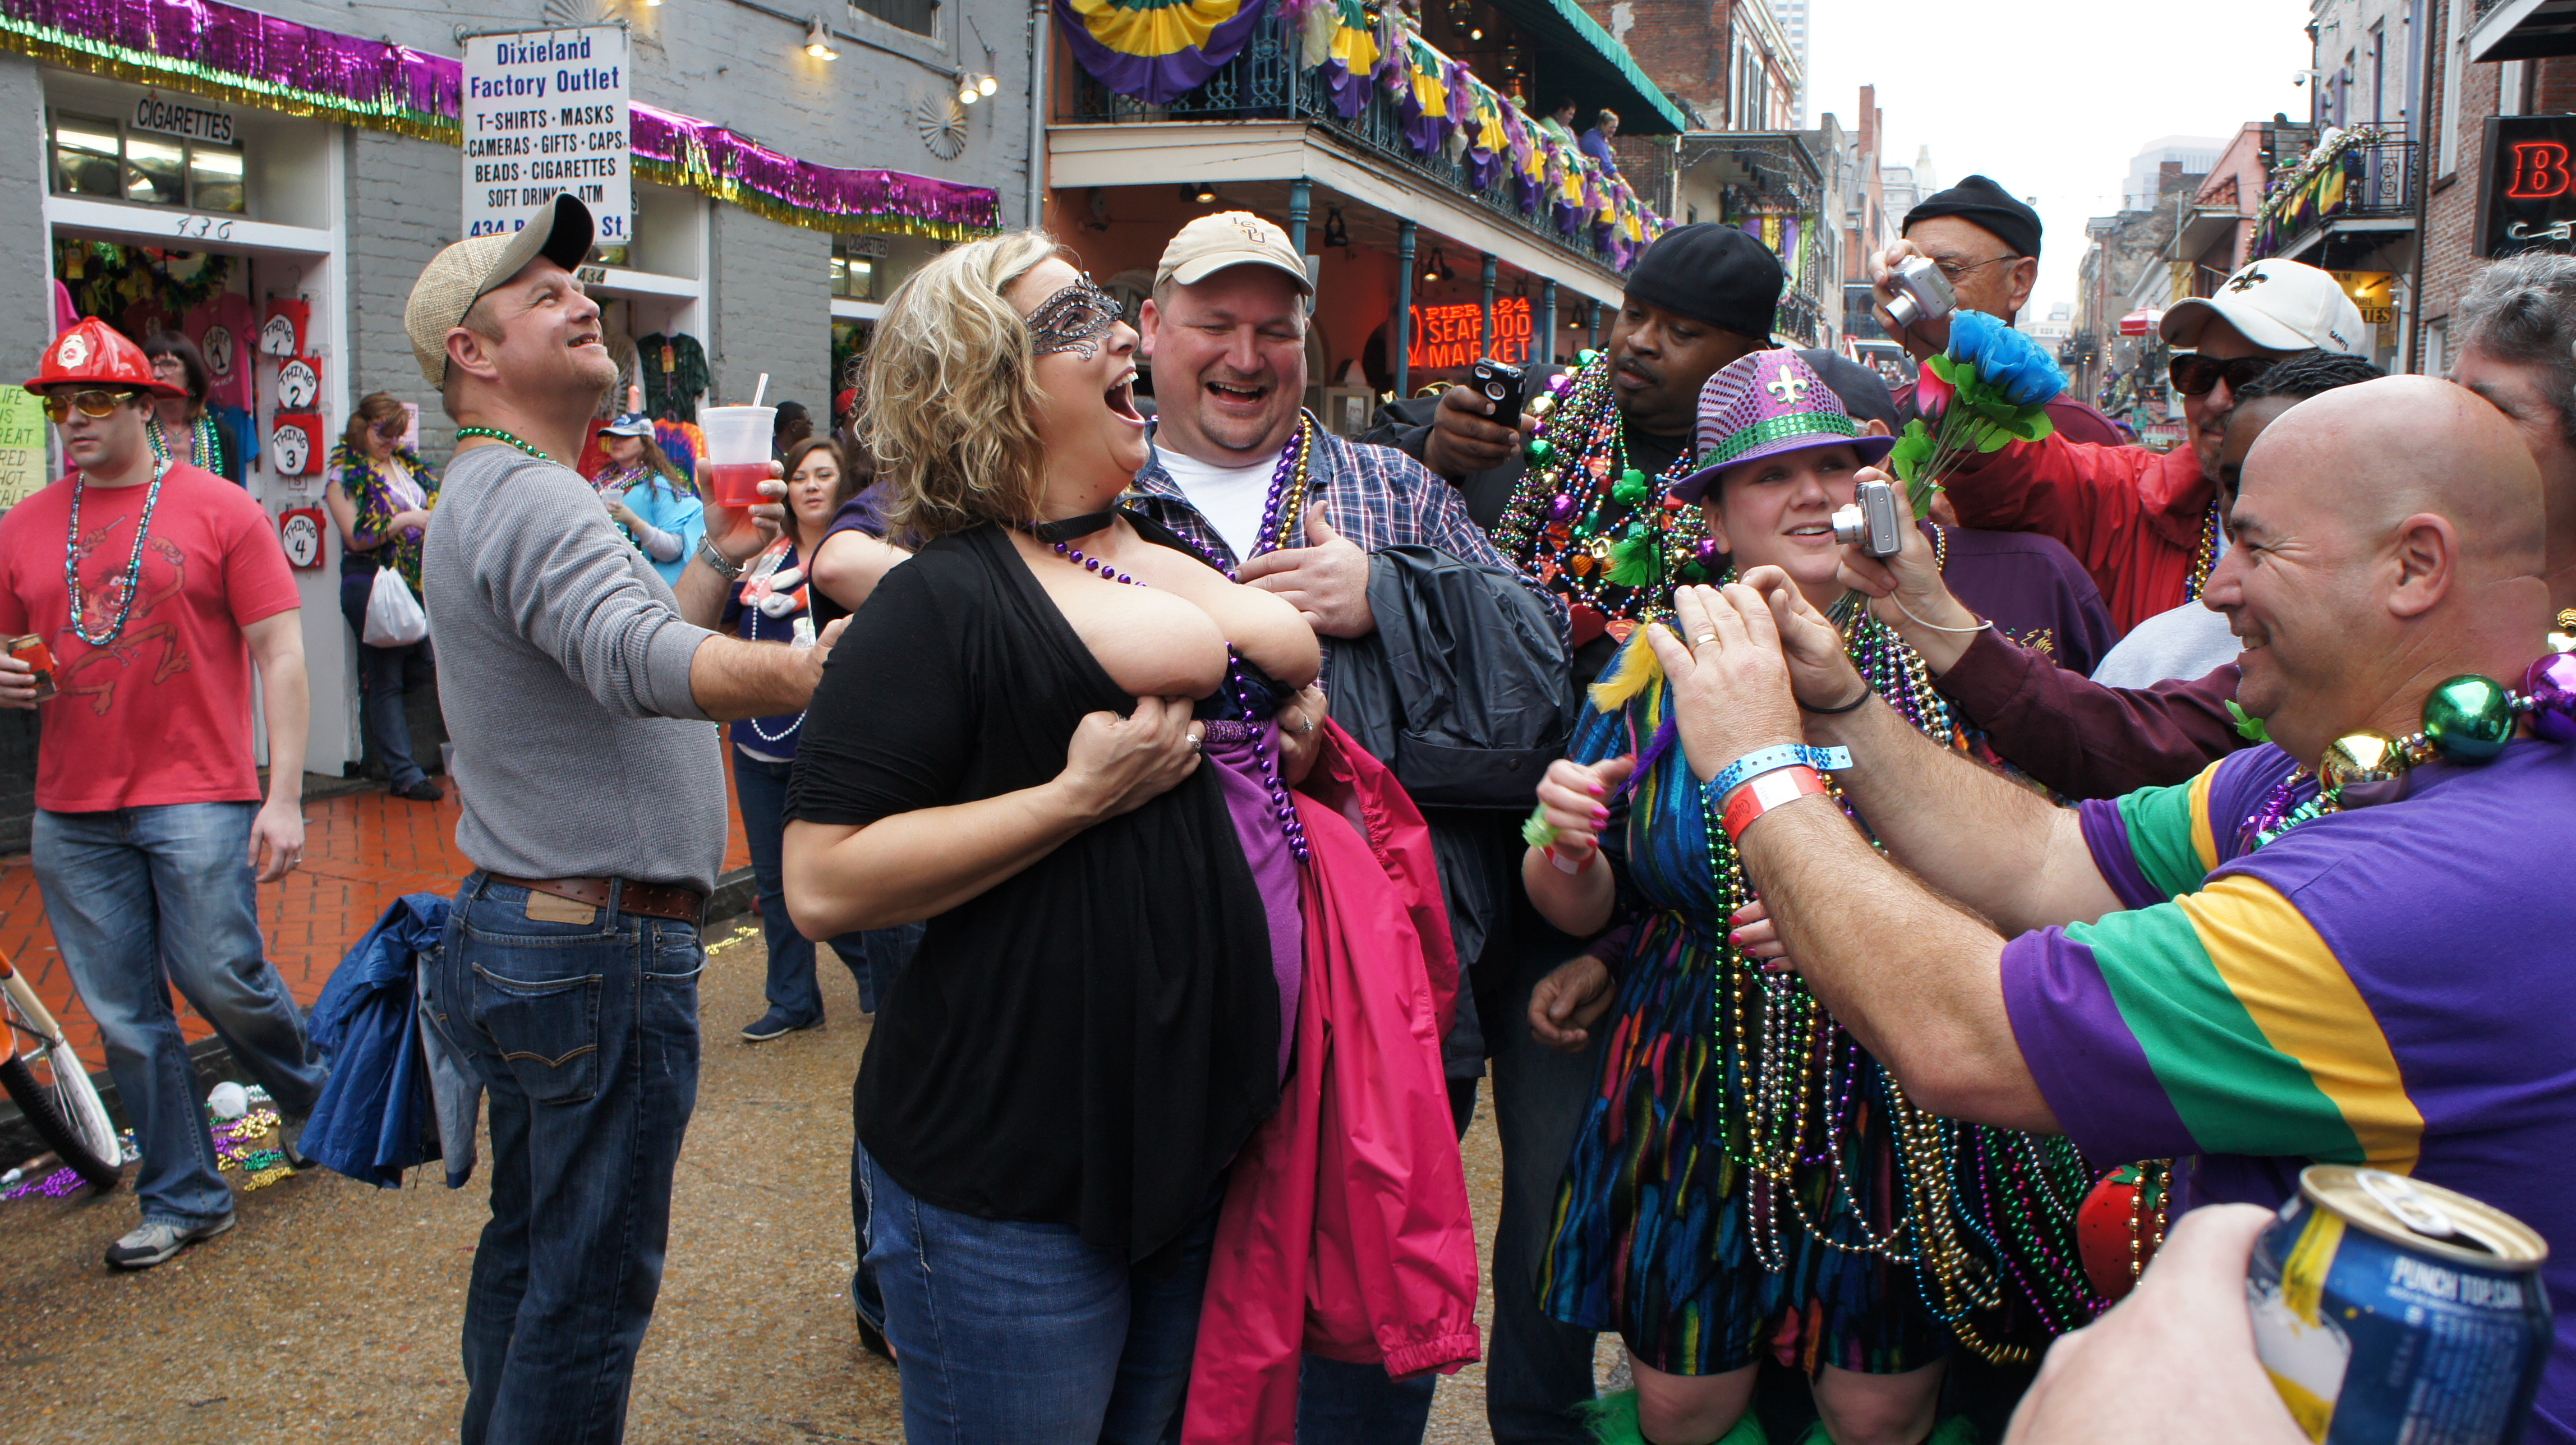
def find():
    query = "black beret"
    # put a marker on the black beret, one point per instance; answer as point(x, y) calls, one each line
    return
point(1980, 202)
point(1863, 391)
point(1711, 273)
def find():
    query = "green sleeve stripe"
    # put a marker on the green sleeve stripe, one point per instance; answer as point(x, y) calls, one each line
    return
point(2233, 1090)
point(2160, 822)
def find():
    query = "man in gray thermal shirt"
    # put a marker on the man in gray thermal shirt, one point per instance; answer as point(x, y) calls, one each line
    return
point(577, 689)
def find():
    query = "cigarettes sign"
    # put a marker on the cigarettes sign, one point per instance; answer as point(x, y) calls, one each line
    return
point(545, 111)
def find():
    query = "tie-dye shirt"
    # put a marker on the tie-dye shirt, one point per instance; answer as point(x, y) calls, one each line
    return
point(2392, 985)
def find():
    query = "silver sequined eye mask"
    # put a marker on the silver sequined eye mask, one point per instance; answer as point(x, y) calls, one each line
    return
point(1073, 319)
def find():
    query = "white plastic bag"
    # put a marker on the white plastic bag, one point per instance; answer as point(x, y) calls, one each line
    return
point(394, 618)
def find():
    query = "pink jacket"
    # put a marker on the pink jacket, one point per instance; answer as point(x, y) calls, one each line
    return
point(1345, 1228)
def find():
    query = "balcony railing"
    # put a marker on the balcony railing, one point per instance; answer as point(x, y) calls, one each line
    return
point(2372, 178)
point(1265, 82)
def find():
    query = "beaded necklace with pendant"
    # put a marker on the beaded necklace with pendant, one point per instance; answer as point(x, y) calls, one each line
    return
point(1580, 509)
point(772, 560)
point(133, 565)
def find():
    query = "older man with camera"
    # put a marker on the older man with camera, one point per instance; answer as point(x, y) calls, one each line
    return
point(577, 687)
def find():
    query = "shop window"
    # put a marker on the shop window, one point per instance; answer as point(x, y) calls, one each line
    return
point(921, 17)
point(94, 156)
point(856, 264)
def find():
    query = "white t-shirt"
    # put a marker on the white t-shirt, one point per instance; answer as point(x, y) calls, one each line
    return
point(2181, 642)
point(1231, 498)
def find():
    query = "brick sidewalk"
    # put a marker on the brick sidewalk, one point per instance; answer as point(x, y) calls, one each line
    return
point(361, 852)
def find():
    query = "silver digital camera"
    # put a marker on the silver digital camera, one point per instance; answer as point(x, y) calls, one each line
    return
point(1869, 523)
point(1922, 292)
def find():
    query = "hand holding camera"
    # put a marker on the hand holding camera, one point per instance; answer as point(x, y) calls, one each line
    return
point(1903, 581)
point(1914, 298)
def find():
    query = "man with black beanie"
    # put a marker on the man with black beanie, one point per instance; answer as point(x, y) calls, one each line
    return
point(1700, 297)
point(1986, 243)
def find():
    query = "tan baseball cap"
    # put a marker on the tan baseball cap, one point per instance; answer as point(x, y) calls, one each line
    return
point(1229, 238)
point(456, 278)
point(2279, 306)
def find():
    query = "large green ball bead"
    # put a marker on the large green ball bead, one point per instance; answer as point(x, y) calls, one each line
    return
point(1541, 453)
point(2469, 718)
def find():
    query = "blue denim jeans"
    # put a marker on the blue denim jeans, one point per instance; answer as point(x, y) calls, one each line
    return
point(585, 1035)
point(139, 894)
point(384, 675)
point(1008, 1331)
point(873, 955)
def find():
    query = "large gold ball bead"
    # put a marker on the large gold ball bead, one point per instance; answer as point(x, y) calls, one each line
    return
point(2469, 718)
point(2364, 769)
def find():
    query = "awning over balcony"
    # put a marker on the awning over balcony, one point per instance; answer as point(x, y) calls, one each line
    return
point(1576, 57)
point(2522, 29)
point(2142, 322)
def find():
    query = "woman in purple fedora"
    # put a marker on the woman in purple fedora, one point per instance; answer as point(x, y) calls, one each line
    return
point(1749, 1183)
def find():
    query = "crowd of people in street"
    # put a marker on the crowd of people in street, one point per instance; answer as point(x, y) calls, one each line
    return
point(1209, 806)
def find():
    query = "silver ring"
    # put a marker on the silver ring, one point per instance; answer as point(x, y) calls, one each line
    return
point(1703, 640)
point(1194, 742)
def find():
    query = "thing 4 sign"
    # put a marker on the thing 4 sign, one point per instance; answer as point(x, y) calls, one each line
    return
point(299, 530)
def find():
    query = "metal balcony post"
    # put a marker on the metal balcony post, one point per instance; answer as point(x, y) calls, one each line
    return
point(1595, 337)
point(1547, 299)
point(1403, 309)
point(1301, 200)
point(1485, 340)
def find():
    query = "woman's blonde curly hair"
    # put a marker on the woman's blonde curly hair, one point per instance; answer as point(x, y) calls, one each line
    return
point(950, 404)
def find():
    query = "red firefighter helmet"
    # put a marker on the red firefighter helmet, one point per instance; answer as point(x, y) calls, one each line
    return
point(94, 354)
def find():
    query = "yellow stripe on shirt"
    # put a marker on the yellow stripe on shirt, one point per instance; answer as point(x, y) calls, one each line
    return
point(2204, 840)
point(2307, 1007)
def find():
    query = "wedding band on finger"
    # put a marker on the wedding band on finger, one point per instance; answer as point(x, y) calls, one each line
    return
point(1703, 640)
point(1194, 742)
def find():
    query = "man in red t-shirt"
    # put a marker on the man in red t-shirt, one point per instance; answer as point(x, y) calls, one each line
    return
point(149, 819)
point(2145, 523)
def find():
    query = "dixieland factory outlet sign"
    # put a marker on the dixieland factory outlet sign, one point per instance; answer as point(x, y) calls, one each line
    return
point(545, 111)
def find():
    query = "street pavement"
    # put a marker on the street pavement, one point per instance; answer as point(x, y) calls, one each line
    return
point(331, 1311)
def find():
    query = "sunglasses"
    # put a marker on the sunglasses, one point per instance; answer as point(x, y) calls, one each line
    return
point(392, 431)
point(2195, 375)
point(58, 407)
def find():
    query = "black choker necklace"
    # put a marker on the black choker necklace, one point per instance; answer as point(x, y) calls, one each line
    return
point(1068, 528)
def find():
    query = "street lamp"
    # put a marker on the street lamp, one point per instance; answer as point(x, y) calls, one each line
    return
point(817, 43)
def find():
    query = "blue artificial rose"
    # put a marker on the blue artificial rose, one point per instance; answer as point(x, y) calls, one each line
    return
point(2004, 358)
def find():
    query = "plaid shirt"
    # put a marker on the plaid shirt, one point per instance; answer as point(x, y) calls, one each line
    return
point(1377, 497)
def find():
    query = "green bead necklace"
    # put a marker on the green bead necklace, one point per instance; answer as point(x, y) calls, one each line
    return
point(496, 434)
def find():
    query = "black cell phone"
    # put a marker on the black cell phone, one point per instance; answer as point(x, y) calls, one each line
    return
point(1501, 383)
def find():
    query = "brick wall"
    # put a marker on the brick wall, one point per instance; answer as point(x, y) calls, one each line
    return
point(1682, 45)
point(773, 310)
point(404, 203)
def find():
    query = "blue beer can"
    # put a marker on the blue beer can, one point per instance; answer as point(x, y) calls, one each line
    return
point(2388, 1311)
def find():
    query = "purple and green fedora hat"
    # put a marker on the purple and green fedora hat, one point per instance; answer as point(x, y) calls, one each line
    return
point(1765, 404)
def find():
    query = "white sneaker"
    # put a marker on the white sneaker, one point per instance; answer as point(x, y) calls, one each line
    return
point(155, 1240)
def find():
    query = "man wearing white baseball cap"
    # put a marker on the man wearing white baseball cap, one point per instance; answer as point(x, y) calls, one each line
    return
point(577, 686)
point(2147, 524)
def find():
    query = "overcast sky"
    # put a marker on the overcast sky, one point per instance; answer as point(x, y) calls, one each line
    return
point(2052, 100)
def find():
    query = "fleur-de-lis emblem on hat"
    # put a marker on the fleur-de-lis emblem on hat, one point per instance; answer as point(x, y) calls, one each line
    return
point(2247, 280)
point(1790, 389)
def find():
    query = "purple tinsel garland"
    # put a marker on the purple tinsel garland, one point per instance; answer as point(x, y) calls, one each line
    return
point(260, 59)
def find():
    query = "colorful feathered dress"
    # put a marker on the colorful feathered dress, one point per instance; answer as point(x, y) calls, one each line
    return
point(1748, 1179)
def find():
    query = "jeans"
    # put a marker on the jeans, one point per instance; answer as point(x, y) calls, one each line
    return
point(1008, 1331)
point(1537, 1368)
point(874, 955)
point(891, 952)
point(384, 675)
point(585, 1035)
point(137, 893)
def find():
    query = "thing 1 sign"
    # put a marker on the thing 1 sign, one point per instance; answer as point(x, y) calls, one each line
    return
point(545, 111)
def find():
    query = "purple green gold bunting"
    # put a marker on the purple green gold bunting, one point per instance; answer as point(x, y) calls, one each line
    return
point(1157, 50)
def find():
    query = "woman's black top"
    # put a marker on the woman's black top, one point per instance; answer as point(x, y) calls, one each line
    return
point(1092, 1039)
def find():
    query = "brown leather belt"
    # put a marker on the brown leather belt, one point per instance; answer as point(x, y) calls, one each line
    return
point(652, 900)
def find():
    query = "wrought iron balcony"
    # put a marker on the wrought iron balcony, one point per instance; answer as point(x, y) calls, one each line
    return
point(1266, 82)
point(2370, 180)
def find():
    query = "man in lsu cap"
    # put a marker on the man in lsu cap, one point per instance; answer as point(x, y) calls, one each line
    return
point(1383, 559)
point(577, 686)
point(2146, 524)
point(1986, 242)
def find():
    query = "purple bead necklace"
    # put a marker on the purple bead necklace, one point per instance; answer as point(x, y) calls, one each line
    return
point(1282, 805)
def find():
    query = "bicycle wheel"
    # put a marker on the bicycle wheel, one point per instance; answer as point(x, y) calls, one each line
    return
point(51, 1103)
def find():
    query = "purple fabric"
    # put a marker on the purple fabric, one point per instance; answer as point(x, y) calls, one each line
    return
point(861, 513)
point(2108, 837)
point(2081, 1055)
point(2032, 588)
point(703, 147)
point(1159, 79)
point(1240, 776)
